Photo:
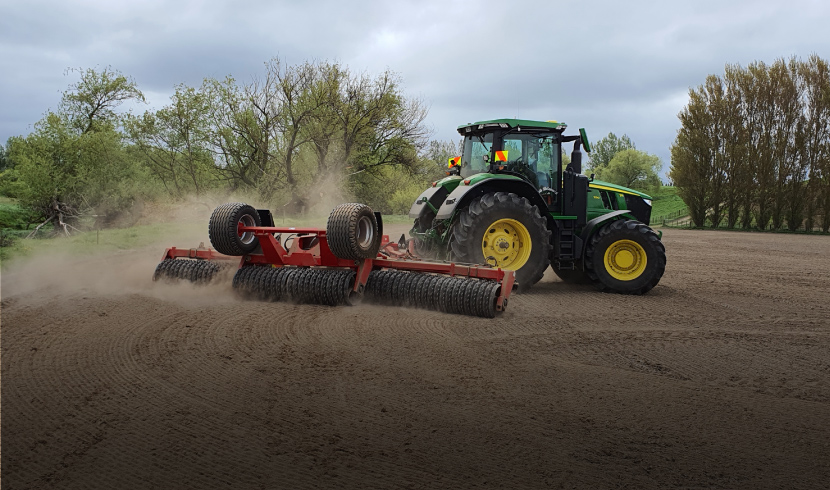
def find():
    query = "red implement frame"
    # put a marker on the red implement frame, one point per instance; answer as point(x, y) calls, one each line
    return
point(310, 248)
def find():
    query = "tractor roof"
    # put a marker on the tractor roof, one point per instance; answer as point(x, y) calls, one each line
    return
point(512, 124)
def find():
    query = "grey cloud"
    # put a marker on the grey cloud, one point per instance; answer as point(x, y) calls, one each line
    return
point(605, 65)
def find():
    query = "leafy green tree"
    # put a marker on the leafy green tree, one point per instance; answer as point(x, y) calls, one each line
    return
point(288, 134)
point(64, 175)
point(754, 145)
point(322, 129)
point(172, 140)
point(4, 161)
point(604, 150)
point(300, 101)
point(240, 130)
point(814, 74)
point(110, 180)
point(75, 162)
point(714, 93)
point(379, 125)
point(392, 189)
point(47, 164)
point(92, 100)
point(436, 155)
point(692, 156)
point(788, 168)
point(633, 168)
point(735, 146)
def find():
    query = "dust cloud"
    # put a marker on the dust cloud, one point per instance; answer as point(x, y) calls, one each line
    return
point(57, 272)
point(130, 271)
point(37, 279)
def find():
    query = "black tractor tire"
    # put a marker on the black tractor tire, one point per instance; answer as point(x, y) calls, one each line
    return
point(571, 276)
point(352, 232)
point(641, 262)
point(223, 224)
point(475, 221)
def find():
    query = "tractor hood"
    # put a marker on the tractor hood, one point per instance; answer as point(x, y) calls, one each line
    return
point(599, 184)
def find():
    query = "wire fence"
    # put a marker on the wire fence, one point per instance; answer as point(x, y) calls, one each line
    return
point(673, 219)
point(681, 219)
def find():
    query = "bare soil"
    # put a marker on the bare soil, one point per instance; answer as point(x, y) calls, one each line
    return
point(718, 378)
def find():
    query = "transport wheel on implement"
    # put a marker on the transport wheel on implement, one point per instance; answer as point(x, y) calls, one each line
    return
point(352, 232)
point(625, 257)
point(223, 229)
point(505, 231)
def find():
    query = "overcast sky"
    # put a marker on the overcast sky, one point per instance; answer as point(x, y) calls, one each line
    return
point(606, 65)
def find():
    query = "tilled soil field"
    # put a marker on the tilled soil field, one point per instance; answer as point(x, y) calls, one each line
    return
point(718, 378)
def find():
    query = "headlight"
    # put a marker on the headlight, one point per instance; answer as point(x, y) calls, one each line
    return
point(647, 201)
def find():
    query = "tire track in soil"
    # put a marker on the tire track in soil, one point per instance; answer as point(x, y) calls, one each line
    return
point(716, 378)
point(450, 375)
point(731, 364)
point(77, 388)
point(319, 411)
point(144, 349)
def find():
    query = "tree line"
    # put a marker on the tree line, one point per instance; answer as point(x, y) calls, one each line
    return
point(287, 136)
point(753, 150)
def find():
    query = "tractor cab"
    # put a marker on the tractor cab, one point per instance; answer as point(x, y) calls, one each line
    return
point(528, 149)
point(530, 156)
point(531, 151)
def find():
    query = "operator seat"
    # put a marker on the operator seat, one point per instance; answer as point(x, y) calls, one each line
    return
point(543, 179)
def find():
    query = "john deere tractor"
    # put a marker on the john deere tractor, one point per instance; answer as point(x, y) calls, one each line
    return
point(508, 202)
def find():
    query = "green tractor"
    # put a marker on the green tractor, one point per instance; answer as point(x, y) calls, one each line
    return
point(508, 202)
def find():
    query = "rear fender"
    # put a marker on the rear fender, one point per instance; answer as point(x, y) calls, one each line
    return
point(463, 194)
point(433, 195)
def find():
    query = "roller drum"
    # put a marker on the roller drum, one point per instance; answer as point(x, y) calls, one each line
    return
point(196, 271)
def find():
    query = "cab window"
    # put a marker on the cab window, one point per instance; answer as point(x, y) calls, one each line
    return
point(476, 156)
point(537, 153)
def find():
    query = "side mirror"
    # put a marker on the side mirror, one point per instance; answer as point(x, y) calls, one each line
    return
point(585, 142)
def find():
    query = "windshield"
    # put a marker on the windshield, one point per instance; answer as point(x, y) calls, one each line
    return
point(476, 156)
point(531, 155)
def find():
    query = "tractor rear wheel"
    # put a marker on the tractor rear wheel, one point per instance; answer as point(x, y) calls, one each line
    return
point(223, 228)
point(625, 257)
point(506, 231)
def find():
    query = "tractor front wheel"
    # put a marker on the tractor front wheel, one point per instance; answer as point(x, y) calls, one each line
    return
point(506, 231)
point(625, 257)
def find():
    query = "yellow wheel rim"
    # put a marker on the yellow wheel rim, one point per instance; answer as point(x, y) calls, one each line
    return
point(506, 244)
point(625, 260)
